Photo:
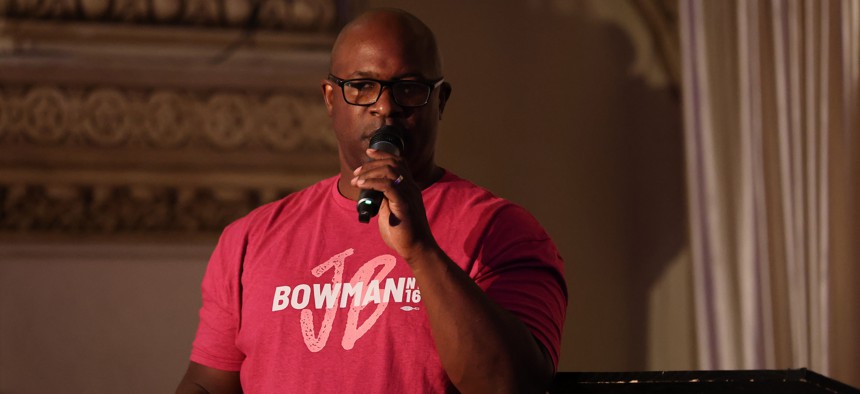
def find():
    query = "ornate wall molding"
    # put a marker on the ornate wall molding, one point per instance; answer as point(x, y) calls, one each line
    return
point(113, 117)
point(154, 117)
point(650, 25)
point(82, 209)
point(109, 160)
point(55, 41)
point(282, 15)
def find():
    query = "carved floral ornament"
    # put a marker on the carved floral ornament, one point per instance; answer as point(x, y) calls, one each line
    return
point(78, 119)
point(650, 25)
point(161, 119)
point(85, 120)
point(292, 15)
point(76, 149)
point(124, 209)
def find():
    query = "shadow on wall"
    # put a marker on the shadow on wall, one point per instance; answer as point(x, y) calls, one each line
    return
point(624, 147)
point(545, 112)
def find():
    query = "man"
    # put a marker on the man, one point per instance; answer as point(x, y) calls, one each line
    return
point(448, 289)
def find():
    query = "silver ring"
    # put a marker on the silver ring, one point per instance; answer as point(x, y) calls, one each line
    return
point(398, 180)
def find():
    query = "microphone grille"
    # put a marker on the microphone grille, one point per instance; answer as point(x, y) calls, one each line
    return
point(388, 134)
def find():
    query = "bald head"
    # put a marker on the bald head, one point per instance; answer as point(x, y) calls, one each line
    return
point(397, 49)
point(404, 36)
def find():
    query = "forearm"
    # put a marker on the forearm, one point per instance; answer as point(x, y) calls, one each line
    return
point(482, 347)
point(200, 379)
point(186, 387)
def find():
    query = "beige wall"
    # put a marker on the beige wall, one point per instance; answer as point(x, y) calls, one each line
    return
point(96, 317)
point(545, 112)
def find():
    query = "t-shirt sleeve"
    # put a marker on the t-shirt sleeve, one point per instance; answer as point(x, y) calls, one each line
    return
point(521, 270)
point(215, 343)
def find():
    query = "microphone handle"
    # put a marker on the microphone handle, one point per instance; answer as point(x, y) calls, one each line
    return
point(369, 201)
point(386, 139)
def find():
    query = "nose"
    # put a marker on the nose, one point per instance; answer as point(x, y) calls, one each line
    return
point(385, 106)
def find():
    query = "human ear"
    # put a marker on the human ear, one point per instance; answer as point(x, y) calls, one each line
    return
point(444, 95)
point(328, 95)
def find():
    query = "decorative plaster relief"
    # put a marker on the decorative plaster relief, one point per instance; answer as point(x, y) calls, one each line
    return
point(82, 209)
point(290, 15)
point(101, 120)
point(48, 119)
point(162, 119)
point(650, 25)
point(154, 117)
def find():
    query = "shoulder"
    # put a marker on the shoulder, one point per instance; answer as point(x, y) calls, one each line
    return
point(456, 203)
point(459, 194)
point(456, 193)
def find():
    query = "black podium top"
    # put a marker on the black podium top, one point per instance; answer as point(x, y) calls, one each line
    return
point(705, 382)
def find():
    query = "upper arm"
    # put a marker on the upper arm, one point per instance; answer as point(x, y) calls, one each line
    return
point(215, 341)
point(202, 379)
point(522, 272)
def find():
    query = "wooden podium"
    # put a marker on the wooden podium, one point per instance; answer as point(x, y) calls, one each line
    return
point(703, 382)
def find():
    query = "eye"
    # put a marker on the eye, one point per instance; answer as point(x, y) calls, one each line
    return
point(362, 85)
point(411, 88)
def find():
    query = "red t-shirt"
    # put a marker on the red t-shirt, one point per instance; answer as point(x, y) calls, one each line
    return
point(302, 298)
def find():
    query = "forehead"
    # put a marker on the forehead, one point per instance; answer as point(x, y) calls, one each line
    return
point(385, 47)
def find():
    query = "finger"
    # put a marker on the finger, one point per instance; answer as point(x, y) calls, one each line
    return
point(384, 185)
point(376, 164)
point(390, 168)
point(379, 154)
point(393, 219)
point(386, 172)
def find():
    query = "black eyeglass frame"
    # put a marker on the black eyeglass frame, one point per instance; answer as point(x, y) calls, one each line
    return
point(389, 84)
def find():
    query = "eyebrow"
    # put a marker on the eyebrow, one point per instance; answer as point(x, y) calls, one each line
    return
point(370, 75)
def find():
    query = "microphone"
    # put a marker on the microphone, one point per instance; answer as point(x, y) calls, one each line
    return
point(387, 139)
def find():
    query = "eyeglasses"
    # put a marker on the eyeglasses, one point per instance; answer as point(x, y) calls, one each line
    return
point(365, 91)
